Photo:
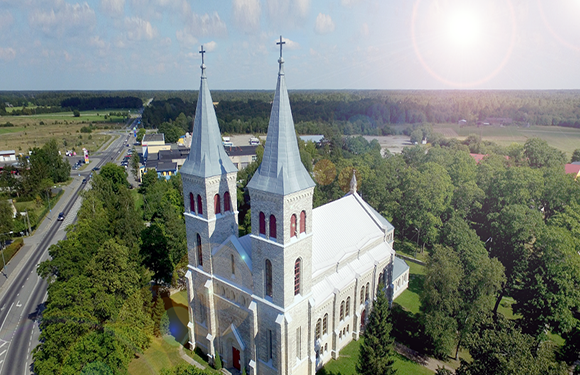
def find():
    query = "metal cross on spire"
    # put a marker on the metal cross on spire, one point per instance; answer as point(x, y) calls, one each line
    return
point(202, 54)
point(281, 43)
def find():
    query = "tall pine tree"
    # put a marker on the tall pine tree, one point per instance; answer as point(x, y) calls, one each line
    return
point(376, 351)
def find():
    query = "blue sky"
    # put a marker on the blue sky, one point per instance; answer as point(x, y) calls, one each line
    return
point(331, 44)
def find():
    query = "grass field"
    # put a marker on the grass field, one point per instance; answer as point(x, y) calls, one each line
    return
point(346, 363)
point(410, 298)
point(564, 139)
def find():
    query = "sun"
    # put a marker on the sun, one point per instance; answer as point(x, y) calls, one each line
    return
point(463, 28)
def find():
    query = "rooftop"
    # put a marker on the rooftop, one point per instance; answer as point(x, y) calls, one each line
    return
point(158, 137)
point(241, 150)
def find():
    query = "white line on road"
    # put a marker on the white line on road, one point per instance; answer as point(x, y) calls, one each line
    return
point(4, 343)
point(18, 304)
point(6, 316)
point(3, 352)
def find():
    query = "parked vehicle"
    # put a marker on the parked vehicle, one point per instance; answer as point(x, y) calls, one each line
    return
point(60, 216)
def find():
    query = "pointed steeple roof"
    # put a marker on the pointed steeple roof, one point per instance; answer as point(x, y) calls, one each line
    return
point(281, 171)
point(207, 156)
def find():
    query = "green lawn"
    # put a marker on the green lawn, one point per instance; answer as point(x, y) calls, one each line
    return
point(346, 363)
point(10, 130)
point(410, 298)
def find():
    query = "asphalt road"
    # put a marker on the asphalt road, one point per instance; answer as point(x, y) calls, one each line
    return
point(22, 291)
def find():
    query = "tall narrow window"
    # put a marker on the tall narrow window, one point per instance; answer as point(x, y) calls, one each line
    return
point(342, 310)
point(233, 264)
point(199, 206)
point(318, 328)
point(199, 252)
point(297, 265)
point(272, 226)
point(325, 324)
point(303, 222)
point(217, 204)
point(347, 312)
point(271, 344)
point(227, 202)
point(362, 295)
point(367, 292)
point(298, 342)
point(268, 281)
point(262, 223)
point(293, 226)
point(191, 203)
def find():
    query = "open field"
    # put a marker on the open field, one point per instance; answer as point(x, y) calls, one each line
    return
point(564, 139)
point(34, 131)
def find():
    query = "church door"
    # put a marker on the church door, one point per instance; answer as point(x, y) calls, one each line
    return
point(362, 320)
point(236, 358)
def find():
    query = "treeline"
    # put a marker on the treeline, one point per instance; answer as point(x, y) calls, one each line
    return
point(371, 112)
point(101, 102)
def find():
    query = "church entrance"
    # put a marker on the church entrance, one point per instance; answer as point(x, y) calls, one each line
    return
point(236, 358)
point(362, 320)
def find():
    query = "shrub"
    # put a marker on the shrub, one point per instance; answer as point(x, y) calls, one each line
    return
point(10, 250)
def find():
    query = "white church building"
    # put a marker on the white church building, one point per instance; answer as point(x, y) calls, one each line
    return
point(286, 298)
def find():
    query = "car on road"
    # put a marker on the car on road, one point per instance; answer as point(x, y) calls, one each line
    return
point(96, 168)
point(84, 180)
point(60, 216)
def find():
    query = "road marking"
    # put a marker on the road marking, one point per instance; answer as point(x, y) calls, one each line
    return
point(3, 352)
point(4, 343)
point(6, 316)
point(18, 304)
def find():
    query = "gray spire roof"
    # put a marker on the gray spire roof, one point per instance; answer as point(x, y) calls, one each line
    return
point(207, 156)
point(281, 171)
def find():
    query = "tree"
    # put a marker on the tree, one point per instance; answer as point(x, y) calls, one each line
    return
point(140, 134)
point(155, 253)
point(135, 165)
point(376, 350)
point(575, 156)
point(115, 175)
point(6, 221)
point(540, 154)
point(76, 113)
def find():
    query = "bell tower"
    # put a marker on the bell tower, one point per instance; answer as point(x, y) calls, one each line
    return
point(209, 184)
point(281, 197)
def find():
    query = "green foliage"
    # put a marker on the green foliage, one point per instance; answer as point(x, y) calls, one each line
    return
point(134, 163)
point(575, 156)
point(158, 312)
point(376, 352)
point(76, 113)
point(140, 134)
point(217, 364)
point(540, 155)
point(183, 369)
point(43, 168)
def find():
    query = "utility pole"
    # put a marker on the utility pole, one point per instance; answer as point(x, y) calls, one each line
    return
point(28, 220)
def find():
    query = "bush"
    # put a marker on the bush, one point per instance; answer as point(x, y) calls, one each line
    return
point(217, 361)
point(86, 129)
point(12, 249)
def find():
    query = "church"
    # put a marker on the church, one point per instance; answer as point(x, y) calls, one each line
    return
point(286, 298)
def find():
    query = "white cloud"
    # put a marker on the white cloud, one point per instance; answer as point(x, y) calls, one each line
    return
point(287, 12)
point(114, 8)
point(324, 24)
point(139, 29)
point(350, 2)
point(185, 38)
point(246, 14)
point(205, 25)
point(364, 29)
point(63, 19)
point(210, 46)
point(7, 53)
point(6, 19)
point(289, 44)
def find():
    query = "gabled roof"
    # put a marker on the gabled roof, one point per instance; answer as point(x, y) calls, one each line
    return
point(399, 268)
point(341, 228)
point(572, 169)
point(207, 156)
point(281, 171)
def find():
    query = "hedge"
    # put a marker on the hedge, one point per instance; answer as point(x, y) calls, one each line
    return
point(10, 250)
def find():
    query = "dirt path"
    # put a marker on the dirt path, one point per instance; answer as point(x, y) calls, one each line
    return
point(431, 363)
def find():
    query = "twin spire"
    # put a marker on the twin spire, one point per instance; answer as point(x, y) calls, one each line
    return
point(281, 171)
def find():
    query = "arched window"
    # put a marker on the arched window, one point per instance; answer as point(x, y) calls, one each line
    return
point(293, 226)
point(262, 223)
point(297, 265)
point(272, 226)
point(199, 206)
point(191, 203)
point(233, 264)
point(303, 222)
point(227, 202)
point(347, 312)
point(199, 252)
point(268, 278)
point(318, 327)
point(217, 204)
point(367, 292)
point(362, 295)
point(325, 324)
point(342, 310)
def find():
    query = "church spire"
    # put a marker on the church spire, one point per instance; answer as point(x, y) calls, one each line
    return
point(207, 156)
point(281, 171)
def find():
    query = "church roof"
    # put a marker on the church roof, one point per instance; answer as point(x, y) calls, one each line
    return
point(341, 228)
point(207, 156)
point(399, 267)
point(281, 171)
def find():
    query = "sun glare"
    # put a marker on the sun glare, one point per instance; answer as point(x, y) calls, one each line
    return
point(463, 29)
